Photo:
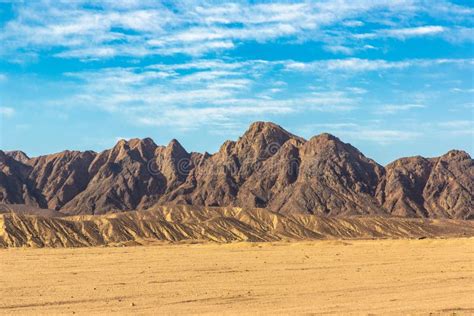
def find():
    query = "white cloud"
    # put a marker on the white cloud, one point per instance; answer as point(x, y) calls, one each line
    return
point(79, 29)
point(453, 34)
point(209, 75)
point(394, 108)
point(460, 90)
point(364, 65)
point(224, 90)
point(415, 31)
point(339, 49)
point(357, 64)
point(89, 53)
point(353, 23)
point(348, 64)
point(7, 112)
point(457, 124)
point(381, 136)
point(357, 90)
point(382, 133)
point(200, 92)
point(460, 35)
point(191, 118)
point(457, 127)
point(350, 131)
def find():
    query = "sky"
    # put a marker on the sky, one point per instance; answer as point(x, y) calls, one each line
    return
point(392, 77)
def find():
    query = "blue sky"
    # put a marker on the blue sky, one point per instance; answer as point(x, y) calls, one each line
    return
point(394, 78)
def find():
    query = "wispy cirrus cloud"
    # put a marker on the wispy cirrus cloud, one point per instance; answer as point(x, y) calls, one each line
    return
point(415, 31)
point(363, 65)
point(6, 112)
point(381, 133)
point(403, 33)
point(99, 30)
point(201, 92)
point(395, 108)
point(217, 91)
point(369, 131)
point(457, 127)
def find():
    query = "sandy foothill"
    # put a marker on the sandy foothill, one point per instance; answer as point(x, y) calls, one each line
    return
point(333, 277)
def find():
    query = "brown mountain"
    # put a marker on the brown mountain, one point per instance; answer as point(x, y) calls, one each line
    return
point(60, 177)
point(437, 187)
point(18, 155)
point(324, 176)
point(216, 179)
point(118, 179)
point(15, 185)
point(267, 167)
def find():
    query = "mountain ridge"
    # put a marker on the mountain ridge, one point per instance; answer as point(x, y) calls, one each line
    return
point(266, 167)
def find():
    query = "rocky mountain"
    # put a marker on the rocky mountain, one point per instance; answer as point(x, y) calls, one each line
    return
point(267, 167)
point(18, 155)
point(15, 184)
point(438, 187)
point(60, 177)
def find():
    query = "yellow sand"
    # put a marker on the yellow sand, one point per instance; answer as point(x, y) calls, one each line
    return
point(337, 277)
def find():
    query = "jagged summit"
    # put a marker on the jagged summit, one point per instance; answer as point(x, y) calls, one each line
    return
point(269, 131)
point(266, 167)
point(18, 155)
point(260, 127)
point(174, 147)
point(326, 137)
point(146, 142)
point(456, 154)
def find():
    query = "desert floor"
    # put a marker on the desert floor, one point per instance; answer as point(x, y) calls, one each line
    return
point(360, 277)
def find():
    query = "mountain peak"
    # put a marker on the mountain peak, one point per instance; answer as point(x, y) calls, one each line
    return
point(143, 147)
point(456, 154)
point(324, 140)
point(18, 155)
point(142, 142)
point(175, 145)
point(325, 137)
point(260, 125)
point(267, 129)
point(175, 149)
point(264, 134)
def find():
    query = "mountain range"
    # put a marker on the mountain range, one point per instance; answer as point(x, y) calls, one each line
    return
point(267, 167)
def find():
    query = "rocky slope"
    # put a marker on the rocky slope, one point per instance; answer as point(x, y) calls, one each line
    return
point(199, 224)
point(438, 188)
point(15, 184)
point(18, 155)
point(267, 167)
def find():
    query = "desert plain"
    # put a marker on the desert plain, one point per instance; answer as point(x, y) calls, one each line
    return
point(385, 276)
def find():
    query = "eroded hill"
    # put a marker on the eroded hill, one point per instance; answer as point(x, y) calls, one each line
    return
point(200, 224)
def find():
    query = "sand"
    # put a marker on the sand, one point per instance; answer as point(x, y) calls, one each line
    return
point(357, 276)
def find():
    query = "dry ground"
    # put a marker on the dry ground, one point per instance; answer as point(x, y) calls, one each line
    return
point(360, 277)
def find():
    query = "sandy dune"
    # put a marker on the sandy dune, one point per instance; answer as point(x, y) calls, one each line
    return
point(372, 276)
point(219, 224)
